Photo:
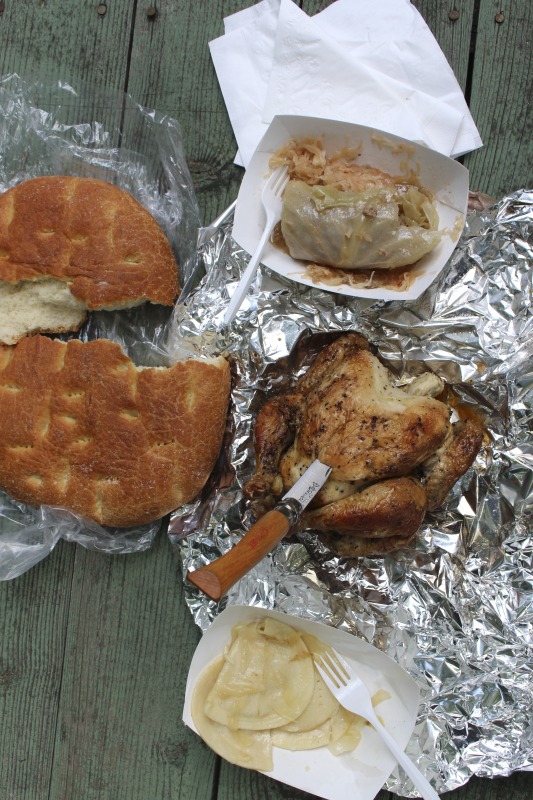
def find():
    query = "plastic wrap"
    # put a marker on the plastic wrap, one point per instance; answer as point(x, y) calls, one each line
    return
point(55, 130)
point(456, 608)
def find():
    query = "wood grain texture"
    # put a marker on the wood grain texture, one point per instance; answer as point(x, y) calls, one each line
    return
point(240, 784)
point(95, 649)
point(516, 787)
point(502, 98)
point(197, 104)
point(453, 35)
point(34, 615)
point(129, 645)
point(66, 40)
point(312, 7)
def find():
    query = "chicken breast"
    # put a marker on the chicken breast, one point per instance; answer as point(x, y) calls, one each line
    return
point(357, 422)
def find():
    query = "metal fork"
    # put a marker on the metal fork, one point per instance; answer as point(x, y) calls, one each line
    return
point(351, 693)
point(271, 201)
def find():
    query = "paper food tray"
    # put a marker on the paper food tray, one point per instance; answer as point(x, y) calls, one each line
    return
point(446, 178)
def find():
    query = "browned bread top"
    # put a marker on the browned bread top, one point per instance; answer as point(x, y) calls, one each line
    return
point(96, 237)
point(81, 427)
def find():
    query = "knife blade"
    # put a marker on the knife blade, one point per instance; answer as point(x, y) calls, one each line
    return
point(217, 578)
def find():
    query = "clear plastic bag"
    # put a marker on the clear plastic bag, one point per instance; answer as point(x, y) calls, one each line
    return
point(56, 130)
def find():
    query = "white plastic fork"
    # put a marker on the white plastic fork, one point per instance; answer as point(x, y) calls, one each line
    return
point(271, 202)
point(352, 693)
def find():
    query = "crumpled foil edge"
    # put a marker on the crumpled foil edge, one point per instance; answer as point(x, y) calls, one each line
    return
point(456, 609)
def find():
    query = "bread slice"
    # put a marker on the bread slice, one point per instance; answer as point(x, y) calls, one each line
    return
point(86, 236)
point(81, 427)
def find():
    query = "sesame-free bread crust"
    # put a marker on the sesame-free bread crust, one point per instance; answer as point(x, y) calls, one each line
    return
point(81, 427)
point(95, 237)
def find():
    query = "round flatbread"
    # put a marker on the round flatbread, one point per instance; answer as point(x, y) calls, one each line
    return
point(79, 244)
point(83, 428)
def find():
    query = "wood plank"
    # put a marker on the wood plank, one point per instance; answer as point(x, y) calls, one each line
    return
point(129, 645)
point(34, 619)
point(61, 41)
point(502, 98)
point(69, 41)
point(184, 85)
point(238, 783)
point(312, 7)
point(453, 33)
point(121, 700)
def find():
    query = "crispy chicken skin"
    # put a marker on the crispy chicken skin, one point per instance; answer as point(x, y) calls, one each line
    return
point(379, 439)
point(451, 461)
point(388, 508)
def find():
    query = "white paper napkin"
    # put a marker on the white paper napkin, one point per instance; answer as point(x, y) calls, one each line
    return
point(375, 63)
point(243, 62)
point(404, 49)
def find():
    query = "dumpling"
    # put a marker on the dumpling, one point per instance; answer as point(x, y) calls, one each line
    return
point(250, 749)
point(267, 679)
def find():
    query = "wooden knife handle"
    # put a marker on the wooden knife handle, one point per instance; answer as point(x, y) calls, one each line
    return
point(216, 578)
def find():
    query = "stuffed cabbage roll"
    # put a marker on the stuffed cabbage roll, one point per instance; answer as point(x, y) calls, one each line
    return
point(378, 228)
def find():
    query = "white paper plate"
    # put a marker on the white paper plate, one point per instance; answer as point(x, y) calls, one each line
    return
point(446, 178)
point(353, 776)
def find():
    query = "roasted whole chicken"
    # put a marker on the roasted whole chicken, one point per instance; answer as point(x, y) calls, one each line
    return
point(394, 452)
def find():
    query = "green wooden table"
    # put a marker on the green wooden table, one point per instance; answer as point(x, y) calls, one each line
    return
point(95, 649)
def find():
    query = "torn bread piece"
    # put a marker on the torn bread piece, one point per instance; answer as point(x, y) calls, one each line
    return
point(69, 245)
point(83, 428)
point(39, 305)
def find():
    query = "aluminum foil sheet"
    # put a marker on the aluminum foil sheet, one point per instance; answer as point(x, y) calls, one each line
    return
point(456, 608)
